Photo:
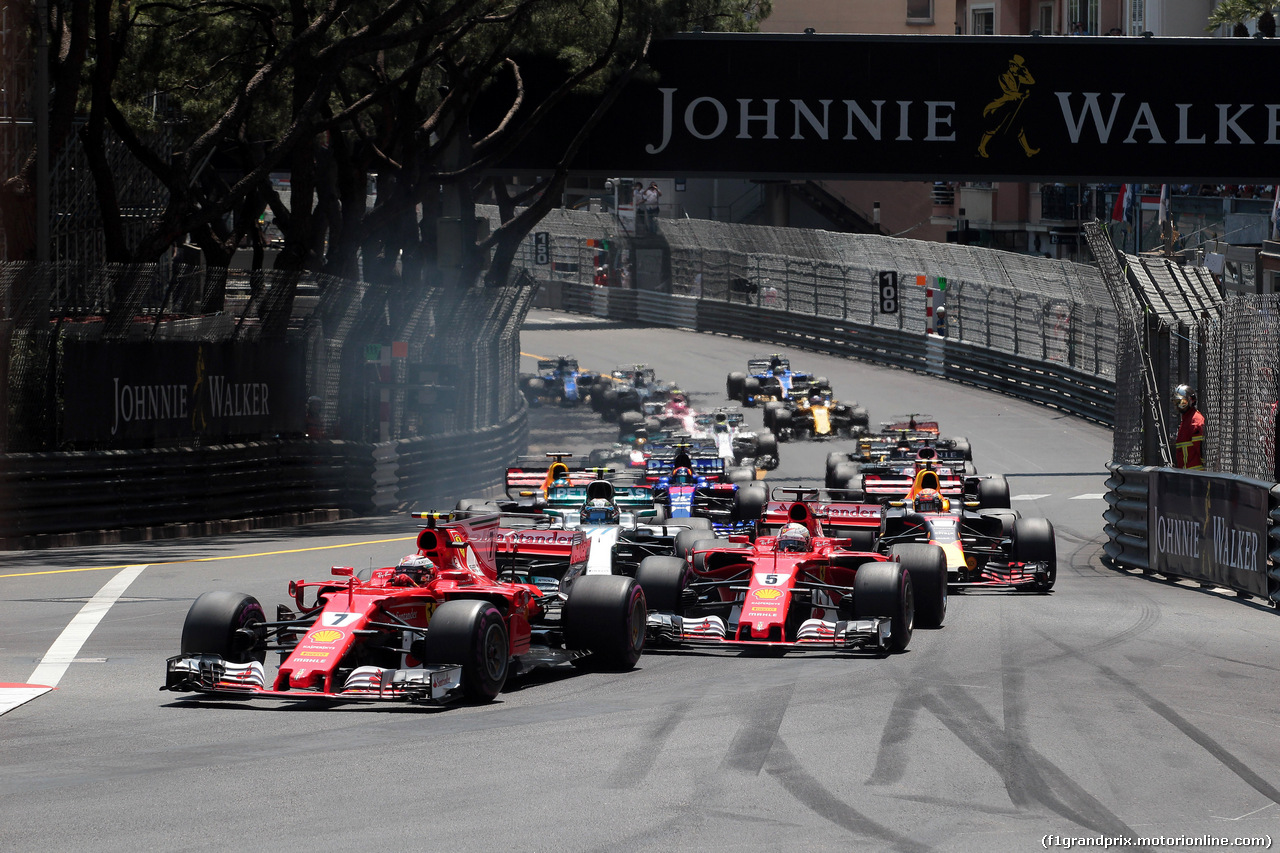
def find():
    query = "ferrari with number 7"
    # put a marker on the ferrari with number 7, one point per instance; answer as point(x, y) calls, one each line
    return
point(473, 605)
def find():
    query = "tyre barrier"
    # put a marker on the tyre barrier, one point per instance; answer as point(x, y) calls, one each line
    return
point(1210, 536)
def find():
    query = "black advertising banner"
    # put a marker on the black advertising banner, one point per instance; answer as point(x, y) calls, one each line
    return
point(125, 393)
point(1208, 527)
point(1108, 109)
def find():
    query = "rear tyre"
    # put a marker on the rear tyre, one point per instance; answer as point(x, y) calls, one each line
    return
point(858, 417)
point(767, 444)
point(473, 505)
point(226, 624)
point(993, 493)
point(733, 385)
point(605, 615)
point(685, 539)
point(782, 421)
point(470, 632)
point(884, 589)
point(663, 581)
point(841, 473)
point(697, 522)
point(740, 476)
point(1033, 541)
point(835, 458)
point(749, 502)
point(770, 409)
point(962, 444)
point(750, 390)
point(927, 565)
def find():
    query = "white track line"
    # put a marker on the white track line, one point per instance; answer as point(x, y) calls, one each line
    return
point(64, 649)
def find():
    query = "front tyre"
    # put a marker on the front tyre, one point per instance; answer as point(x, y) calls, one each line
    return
point(884, 589)
point(606, 614)
point(226, 624)
point(927, 565)
point(472, 633)
point(663, 580)
point(1033, 541)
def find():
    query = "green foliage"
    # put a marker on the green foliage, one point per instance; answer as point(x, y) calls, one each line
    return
point(1231, 12)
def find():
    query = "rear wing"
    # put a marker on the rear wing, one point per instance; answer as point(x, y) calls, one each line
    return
point(756, 366)
point(923, 425)
point(710, 467)
point(625, 497)
point(572, 546)
point(473, 540)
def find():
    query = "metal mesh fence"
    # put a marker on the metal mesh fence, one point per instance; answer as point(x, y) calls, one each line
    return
point(1032, 307)
point(1174, 327)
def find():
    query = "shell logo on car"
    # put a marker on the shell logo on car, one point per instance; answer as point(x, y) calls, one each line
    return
point(768, 594)
point(326, 636)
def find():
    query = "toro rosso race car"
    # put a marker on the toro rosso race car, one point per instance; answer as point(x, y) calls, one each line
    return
point(799, 587)
point(447, 622)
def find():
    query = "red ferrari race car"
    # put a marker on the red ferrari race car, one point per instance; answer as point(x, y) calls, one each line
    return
point(802, 586)
point(473, 605)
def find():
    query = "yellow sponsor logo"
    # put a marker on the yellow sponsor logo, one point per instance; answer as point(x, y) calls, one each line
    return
point(328, 636)
point(768, 594)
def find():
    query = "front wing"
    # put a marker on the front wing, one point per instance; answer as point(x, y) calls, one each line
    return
point(814, 634)
point(1018, 576)
point(211, 674)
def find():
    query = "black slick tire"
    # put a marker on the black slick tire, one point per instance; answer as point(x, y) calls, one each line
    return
point(472, 633)
point(927, 565)
point(214, 627)
point(605, 615)
point(884, 589)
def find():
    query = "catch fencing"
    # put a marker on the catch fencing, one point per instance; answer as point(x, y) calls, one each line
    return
point(410, 393)
point(1040, 329)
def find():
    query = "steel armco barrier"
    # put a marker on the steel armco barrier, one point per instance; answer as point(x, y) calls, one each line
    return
point(1047, 382)
point(1126, 528)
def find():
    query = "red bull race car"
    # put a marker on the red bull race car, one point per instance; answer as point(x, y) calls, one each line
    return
point(473, 605)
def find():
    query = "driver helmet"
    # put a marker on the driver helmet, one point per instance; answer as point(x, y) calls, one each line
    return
point(417, 567)
point(928, 500)
point(815, 399)
point(794, 538)
point(1184, 397)
point(682, 476)
point(720, 426)
point(778, 371)
point(775, 361)
point(599, 511)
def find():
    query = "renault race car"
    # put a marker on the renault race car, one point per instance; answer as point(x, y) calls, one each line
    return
point(447, 622)
point(797, 587)
point(811, 411)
